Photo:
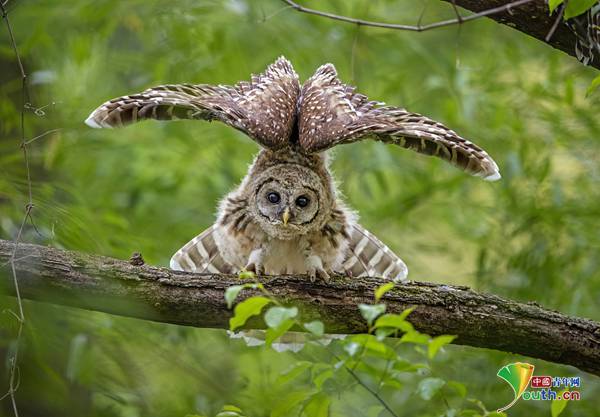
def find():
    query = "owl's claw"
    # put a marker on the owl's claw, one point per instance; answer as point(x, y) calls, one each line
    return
point(315, 268)
point(320, 273)
point(258, 269)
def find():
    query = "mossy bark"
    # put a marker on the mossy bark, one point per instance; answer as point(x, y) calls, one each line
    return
point(118, 287)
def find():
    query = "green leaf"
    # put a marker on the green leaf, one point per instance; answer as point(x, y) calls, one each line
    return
point(288, 402)
point(382, 289)
point(280, 320)
point(352, 348)
point(558, 406)
point(370, 345)
point(406, 366)
point(232, 292)
point(294, 371)
point(406, 312)
point(415, 337)
point(577, 7)
point(368, 368)
point(459, 387)
point(428, 387)
point(553, 4)
point(318, 406)
point(228, 407)
point(315, 327)
point(246, 309)
point(395, 321)
point(77, 350)
point(374, 410)
point(371, 311)
point(320, 379)
point(436, 343)
point(470, 413)
point(246, 275)
point(229, 414)
point(593, 86)
point(274, 333)
point(384, 332)
point(275, 316)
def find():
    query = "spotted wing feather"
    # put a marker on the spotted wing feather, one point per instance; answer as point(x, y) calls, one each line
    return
point(264, 108)
point(332, 113)
point(201, 255)
point(368, 256)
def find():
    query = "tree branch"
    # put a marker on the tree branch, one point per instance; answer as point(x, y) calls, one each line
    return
point(117, 287)
point(412, 28)
point(531, 17)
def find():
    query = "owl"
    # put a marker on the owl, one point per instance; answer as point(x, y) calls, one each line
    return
point(286, 216)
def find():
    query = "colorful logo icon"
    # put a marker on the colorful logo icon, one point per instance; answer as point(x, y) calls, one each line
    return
point(517, 375)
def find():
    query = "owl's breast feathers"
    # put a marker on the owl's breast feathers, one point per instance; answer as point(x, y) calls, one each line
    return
point(343, 246)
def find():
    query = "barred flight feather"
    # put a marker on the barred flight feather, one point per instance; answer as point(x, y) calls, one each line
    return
point(368, 256)
point(332, 113)
point(264, 108)
point(201, 255)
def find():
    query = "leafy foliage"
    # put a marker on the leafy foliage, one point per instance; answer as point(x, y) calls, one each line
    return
point(364, 360)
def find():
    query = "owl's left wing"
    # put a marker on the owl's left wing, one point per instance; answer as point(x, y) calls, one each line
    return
point(332, 113)
point(201, 255)
point(264, 108)
point(368, 256)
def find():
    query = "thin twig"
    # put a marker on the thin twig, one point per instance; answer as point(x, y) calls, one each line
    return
point(374, 393)
point(557, 21)
point(275, 13)
point(413, 28)
point(360, 381)
point(42, 135)
point(15, 375)
point(459, 18)
point(422, 13)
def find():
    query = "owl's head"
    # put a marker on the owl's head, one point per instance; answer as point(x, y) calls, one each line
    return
point(289, 200)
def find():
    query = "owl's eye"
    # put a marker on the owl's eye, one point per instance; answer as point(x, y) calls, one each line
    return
point(302, 201)
point(273, 197)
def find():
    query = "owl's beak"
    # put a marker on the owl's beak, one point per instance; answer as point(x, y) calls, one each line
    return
point(286, 216)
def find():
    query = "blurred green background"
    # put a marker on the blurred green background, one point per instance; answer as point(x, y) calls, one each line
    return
point(534, 235)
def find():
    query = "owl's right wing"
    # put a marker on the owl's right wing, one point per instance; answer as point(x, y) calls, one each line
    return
point(369, 257)
point(263, 108)
point(201, 255)
point(332, 113)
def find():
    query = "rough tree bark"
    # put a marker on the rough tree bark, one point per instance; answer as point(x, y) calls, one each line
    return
point(532, 19)
point(118, 287)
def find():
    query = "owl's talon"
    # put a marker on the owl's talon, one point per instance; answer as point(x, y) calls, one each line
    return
point(321, 273)
point(258, 269)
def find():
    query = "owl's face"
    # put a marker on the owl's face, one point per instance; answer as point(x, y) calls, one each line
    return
point(290, 200)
